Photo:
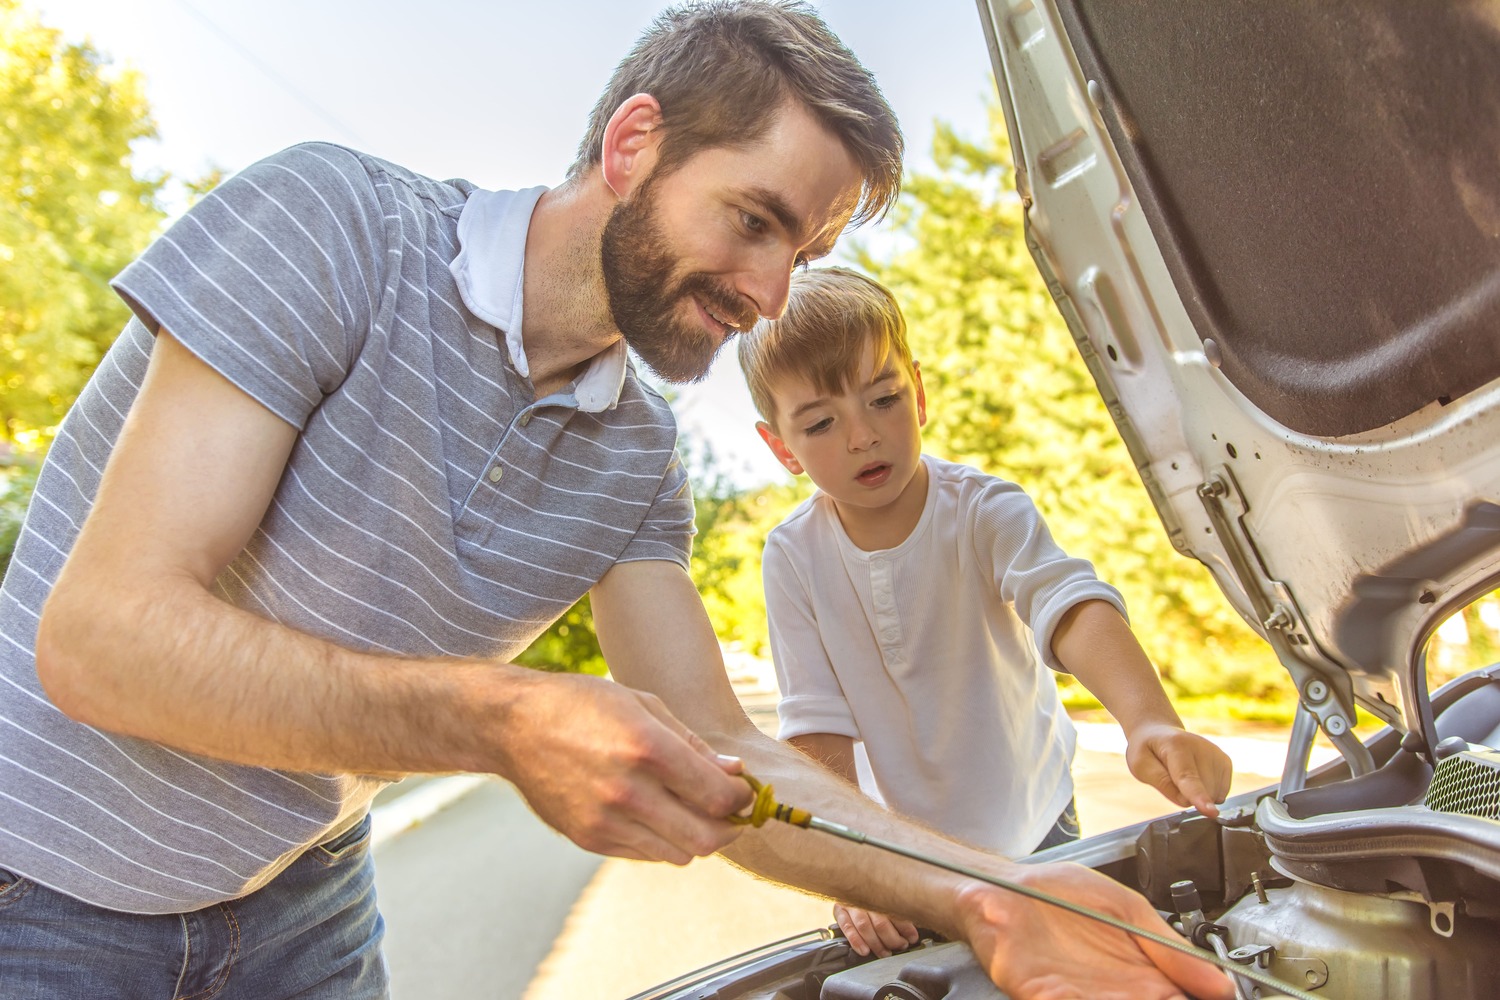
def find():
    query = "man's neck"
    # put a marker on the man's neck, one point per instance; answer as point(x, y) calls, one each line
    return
point(565, 319)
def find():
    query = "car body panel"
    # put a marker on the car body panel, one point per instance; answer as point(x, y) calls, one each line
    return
point(1342, 539)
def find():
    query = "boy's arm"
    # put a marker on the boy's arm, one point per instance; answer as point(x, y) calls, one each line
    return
point(831, 750)
point(1096, 645)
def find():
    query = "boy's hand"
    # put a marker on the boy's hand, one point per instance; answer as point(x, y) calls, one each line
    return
point(1185, 767)
point(869, 931)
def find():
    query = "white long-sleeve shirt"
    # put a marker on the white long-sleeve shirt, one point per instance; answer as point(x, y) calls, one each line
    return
point(934, 654)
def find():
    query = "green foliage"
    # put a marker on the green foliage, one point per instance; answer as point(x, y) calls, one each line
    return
point(732, 524)
point(1469, 640)
point(75, 214)
point(1007, 392)
point(16, 484)
point(569, 646)
point(732, 527)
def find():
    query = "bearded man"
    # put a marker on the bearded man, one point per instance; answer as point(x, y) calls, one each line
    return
point(366, 437)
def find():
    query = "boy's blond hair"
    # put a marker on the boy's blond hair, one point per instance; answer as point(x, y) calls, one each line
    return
point(832, 313)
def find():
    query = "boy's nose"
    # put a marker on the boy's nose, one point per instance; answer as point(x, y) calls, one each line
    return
point(862, 436)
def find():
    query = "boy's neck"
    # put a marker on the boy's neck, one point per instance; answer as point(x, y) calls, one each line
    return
point(874, 528)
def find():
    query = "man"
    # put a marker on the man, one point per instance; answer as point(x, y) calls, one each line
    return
point(369, 434)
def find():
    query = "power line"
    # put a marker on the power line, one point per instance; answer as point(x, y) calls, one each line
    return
point(271, 73)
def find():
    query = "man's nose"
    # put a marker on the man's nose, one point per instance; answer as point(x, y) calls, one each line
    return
point(768, 285)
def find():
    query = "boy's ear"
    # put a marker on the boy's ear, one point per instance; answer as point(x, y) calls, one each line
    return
point(630, 141)
point(778, 448)
point(916, 373)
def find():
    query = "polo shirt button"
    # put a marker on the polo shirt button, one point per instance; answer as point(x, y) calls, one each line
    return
point(496, 473)
point(525, 419)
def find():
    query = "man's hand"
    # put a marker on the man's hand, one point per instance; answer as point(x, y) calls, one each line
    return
point(617, 773)
point(1036, 951)
point(1186, 768)
point(870, 932)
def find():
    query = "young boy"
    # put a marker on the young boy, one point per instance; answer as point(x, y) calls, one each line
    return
point(915, 604)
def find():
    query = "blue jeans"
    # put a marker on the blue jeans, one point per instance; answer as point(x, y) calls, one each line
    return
point(312, 933)
point(1064, 831)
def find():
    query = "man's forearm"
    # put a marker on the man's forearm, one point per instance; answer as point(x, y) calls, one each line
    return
point(841, 870)
point(172, 663)
point(656, 636)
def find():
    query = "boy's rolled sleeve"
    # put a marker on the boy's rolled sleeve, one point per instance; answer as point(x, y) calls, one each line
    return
point(812, 699)
point(1031, 572)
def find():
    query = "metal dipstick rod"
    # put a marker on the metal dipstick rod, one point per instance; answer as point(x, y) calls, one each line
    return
point(766, 808)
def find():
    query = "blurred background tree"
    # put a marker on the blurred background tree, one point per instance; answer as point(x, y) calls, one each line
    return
point(76, 211)
point(732, 522)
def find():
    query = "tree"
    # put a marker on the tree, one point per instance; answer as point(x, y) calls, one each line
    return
point(732, 523)
point(75, 213)
point(1007, 392)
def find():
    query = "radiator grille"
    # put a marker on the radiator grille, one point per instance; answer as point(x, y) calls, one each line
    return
point(1467, 782)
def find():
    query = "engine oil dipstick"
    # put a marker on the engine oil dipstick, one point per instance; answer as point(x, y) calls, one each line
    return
point(765, 808)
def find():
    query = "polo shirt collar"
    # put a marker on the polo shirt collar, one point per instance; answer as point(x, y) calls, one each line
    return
point(489, 269)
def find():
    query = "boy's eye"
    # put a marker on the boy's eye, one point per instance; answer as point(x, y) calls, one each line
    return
point(885, 402)
point(819, 427)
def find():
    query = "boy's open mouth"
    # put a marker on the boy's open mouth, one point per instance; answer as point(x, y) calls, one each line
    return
point(874, 475)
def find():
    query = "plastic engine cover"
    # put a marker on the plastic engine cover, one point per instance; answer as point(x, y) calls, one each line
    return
point(940, 972)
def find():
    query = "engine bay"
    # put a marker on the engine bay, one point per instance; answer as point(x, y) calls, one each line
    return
point(1385, 884)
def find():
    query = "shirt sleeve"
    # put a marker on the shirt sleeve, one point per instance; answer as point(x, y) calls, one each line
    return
point(667, 532)
point(812, 699)
point(1031, 571)
point(273, 278)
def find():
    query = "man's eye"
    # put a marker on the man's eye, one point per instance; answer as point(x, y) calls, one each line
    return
point(802, 260)
point(753, 223)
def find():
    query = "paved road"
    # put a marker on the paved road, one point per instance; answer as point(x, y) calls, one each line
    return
point(475, 896)
point(483, 902)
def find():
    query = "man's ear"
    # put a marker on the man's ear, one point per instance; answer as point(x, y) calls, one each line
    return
point(916, 373)
point(630, 141)
point(778, 448)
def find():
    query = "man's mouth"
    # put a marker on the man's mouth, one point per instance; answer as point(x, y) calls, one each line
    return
point(725, 318)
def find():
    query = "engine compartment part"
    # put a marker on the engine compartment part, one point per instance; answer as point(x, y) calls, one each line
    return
point(1352, 945)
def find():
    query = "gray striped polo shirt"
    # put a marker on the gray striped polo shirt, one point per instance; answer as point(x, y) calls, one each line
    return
point(431, 505)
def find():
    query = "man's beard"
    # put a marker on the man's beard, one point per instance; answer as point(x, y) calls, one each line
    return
point(645, 294)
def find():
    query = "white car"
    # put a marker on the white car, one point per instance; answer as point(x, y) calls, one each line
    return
point(1274, 231)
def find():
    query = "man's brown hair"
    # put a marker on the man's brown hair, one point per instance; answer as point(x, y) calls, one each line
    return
point(723, 69)
point(831, 316)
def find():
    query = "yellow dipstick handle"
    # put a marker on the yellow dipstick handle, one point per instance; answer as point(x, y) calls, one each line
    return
point(765, 807)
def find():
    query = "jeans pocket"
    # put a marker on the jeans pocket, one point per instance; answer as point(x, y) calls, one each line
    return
point(347, 844)
point(12, 886)
point(1067, 823)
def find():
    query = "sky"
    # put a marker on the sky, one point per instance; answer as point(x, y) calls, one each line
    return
point(496, 92)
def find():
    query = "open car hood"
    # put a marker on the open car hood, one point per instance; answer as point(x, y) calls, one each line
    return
point(1274, 231)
